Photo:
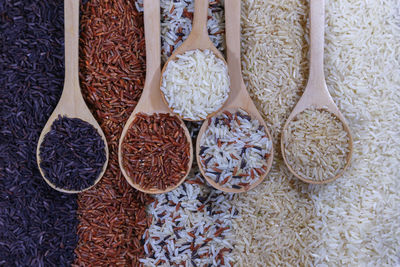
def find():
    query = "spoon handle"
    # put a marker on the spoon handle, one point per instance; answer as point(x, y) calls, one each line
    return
point(238, 96)
point(71, 42)
point(152, 37)
point(200, 17)
point(232, 9)
point(151, 98)
point(317, 25)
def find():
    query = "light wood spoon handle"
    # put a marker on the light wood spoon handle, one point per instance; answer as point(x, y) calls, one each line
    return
point(317, 30)
point(71, 42)
point(151, 89)
point(71, 103)
point(232, 29)
point(200, 18)
point(151, 101)
point(239, 96)
point(316, 93)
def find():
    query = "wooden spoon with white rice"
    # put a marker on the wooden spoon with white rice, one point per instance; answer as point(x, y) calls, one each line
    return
point(194, 81)
point(316, 98)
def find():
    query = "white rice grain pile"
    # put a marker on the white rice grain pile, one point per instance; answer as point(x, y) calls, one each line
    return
point(196, 84)
point(353, 221)
point(316, 145)
point(274, 229)
point(359, 214)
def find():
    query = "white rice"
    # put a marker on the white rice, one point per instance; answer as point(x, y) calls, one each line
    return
point(353, 221)
point(196, 84)
point(316, 145)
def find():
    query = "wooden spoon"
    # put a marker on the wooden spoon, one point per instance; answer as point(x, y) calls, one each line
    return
point(239, 97)
point(197, 39)
point(150, 101)
point(71, 103)
point(316, 94)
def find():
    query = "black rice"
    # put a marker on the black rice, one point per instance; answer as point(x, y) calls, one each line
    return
point(37, 223)
point(72, 154)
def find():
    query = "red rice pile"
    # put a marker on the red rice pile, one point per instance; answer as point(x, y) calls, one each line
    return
point(112, 215)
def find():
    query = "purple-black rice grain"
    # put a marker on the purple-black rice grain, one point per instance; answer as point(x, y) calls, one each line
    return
point(72, 154)
point(37, 223)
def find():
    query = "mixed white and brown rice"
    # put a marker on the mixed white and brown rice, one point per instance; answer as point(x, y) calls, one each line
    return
point(234, 149)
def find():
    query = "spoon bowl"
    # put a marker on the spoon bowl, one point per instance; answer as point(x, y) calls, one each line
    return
point(197, 39)
point(239, 97)
point(316, 94)
point(150, 102)
point(71, 103)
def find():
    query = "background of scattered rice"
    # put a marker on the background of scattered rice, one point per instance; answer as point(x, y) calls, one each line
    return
point(353, 221)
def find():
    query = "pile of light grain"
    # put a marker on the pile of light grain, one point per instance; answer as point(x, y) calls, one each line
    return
point(359, 214)
point(195, 84)
point(316, 145)
point(274, 227)
point(354, 220)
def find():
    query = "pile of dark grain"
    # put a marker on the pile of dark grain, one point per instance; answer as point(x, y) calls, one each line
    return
point(112, 67)
point(37, 223)
point(72, 154)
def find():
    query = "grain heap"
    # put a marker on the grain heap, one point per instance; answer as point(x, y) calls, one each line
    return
point(37, 223)
point(274, 225)
point(196, 192)
point(191, 227)
point(353, 221)
point(72, 154)
point(112, 214)
point(359, 222)
point(155, 151)
point(195, 84)
point(234, 150)
point(316, 145)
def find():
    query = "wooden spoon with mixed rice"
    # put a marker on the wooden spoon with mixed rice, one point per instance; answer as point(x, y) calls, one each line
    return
point(234, 147)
